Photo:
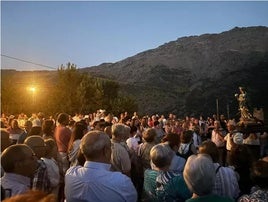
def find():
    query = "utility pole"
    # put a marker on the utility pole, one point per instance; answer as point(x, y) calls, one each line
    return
point(217, 108)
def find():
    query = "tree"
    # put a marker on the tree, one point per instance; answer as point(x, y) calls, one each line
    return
point(66, 96)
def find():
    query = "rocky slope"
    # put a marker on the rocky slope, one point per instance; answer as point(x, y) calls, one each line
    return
point(186, 76)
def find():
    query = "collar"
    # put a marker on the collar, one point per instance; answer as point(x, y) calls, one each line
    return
point(97, 165)
point(18, 178)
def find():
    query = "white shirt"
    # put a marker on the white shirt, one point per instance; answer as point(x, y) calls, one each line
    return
point(72, 155)
point(132, 144)
point(53, 171)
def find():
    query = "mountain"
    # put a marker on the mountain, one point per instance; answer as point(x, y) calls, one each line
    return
point(190, 75)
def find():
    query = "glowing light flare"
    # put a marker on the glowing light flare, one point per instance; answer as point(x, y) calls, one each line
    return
point(32, 89)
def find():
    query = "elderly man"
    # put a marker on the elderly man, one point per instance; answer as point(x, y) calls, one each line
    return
point(120, 158)
point(94, 181)
point(19, 164)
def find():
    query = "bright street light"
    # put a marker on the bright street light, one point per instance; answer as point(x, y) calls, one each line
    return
point(32, 89)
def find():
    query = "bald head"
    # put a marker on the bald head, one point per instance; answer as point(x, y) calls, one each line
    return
point(96, 146)
point(37, 144)
point(19, 159)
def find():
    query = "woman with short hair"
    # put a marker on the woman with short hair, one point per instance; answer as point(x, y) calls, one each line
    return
point(161, 184)
point(199, 174)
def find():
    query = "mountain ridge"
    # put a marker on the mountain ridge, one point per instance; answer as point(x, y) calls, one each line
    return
point(188, 75)
point(177, 70)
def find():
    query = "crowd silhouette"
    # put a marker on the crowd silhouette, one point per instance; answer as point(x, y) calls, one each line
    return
point(103, 157)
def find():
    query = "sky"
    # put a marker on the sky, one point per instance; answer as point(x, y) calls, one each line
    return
point(89, 33)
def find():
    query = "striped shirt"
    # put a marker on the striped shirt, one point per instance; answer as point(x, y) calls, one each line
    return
point(226, 183)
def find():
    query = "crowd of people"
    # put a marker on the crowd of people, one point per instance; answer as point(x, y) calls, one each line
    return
point(101, 157)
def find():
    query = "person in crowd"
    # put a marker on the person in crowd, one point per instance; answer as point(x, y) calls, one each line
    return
point(62, 137)
point(132, 142)
point(35, 130)
point(50, 159)
point(210, 126)
point(159, 131)
point(5, 141)
point(99, 125)
point(144, 124)
point(136, 122)
point(177, 162)
point(80, 129)
point(232, 138)
point(161, 184)
point(94, 181)
point(217, 136)
point(32, 196)
point(144, 149)
point(252, 141)
point(199, 175)
point(14, 131)
point(259, 176)
point(48, 128)
point(194, 126)
point(108, 131)
point(36, 126)
point(27, 128)
point(136, 166)
point(186, 147)
point(203, 127)
point(226, 183)
point(241, 160)
point(168, 127)
point(223, 122)
point(264, 144)
point(19, 164)
point(120, 158)
point(40, 180)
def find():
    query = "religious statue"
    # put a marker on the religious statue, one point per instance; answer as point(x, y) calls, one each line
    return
point(243, 108)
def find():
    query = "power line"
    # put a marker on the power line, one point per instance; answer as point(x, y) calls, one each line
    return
point(14, 58)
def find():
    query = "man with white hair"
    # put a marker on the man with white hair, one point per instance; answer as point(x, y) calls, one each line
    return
point(120, 158)
point(94, 181)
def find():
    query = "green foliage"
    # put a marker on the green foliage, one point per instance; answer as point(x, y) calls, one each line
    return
point(66, 90)
point(122, 104)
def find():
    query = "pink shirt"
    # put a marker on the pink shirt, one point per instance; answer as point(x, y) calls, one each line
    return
point(62, 137)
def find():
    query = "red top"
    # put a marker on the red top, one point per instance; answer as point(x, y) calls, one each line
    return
point(62, 137)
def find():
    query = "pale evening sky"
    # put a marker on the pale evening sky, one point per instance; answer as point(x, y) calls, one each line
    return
point(89, 33)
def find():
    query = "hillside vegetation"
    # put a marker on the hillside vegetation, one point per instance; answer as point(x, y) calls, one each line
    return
point(188, 75)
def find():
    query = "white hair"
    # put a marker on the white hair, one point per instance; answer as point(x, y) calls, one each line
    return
point(161, 155)
point(199, 174)
point(93, 142)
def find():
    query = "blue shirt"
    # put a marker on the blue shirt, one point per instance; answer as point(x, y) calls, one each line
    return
point(16, 183)
point(95, 182)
